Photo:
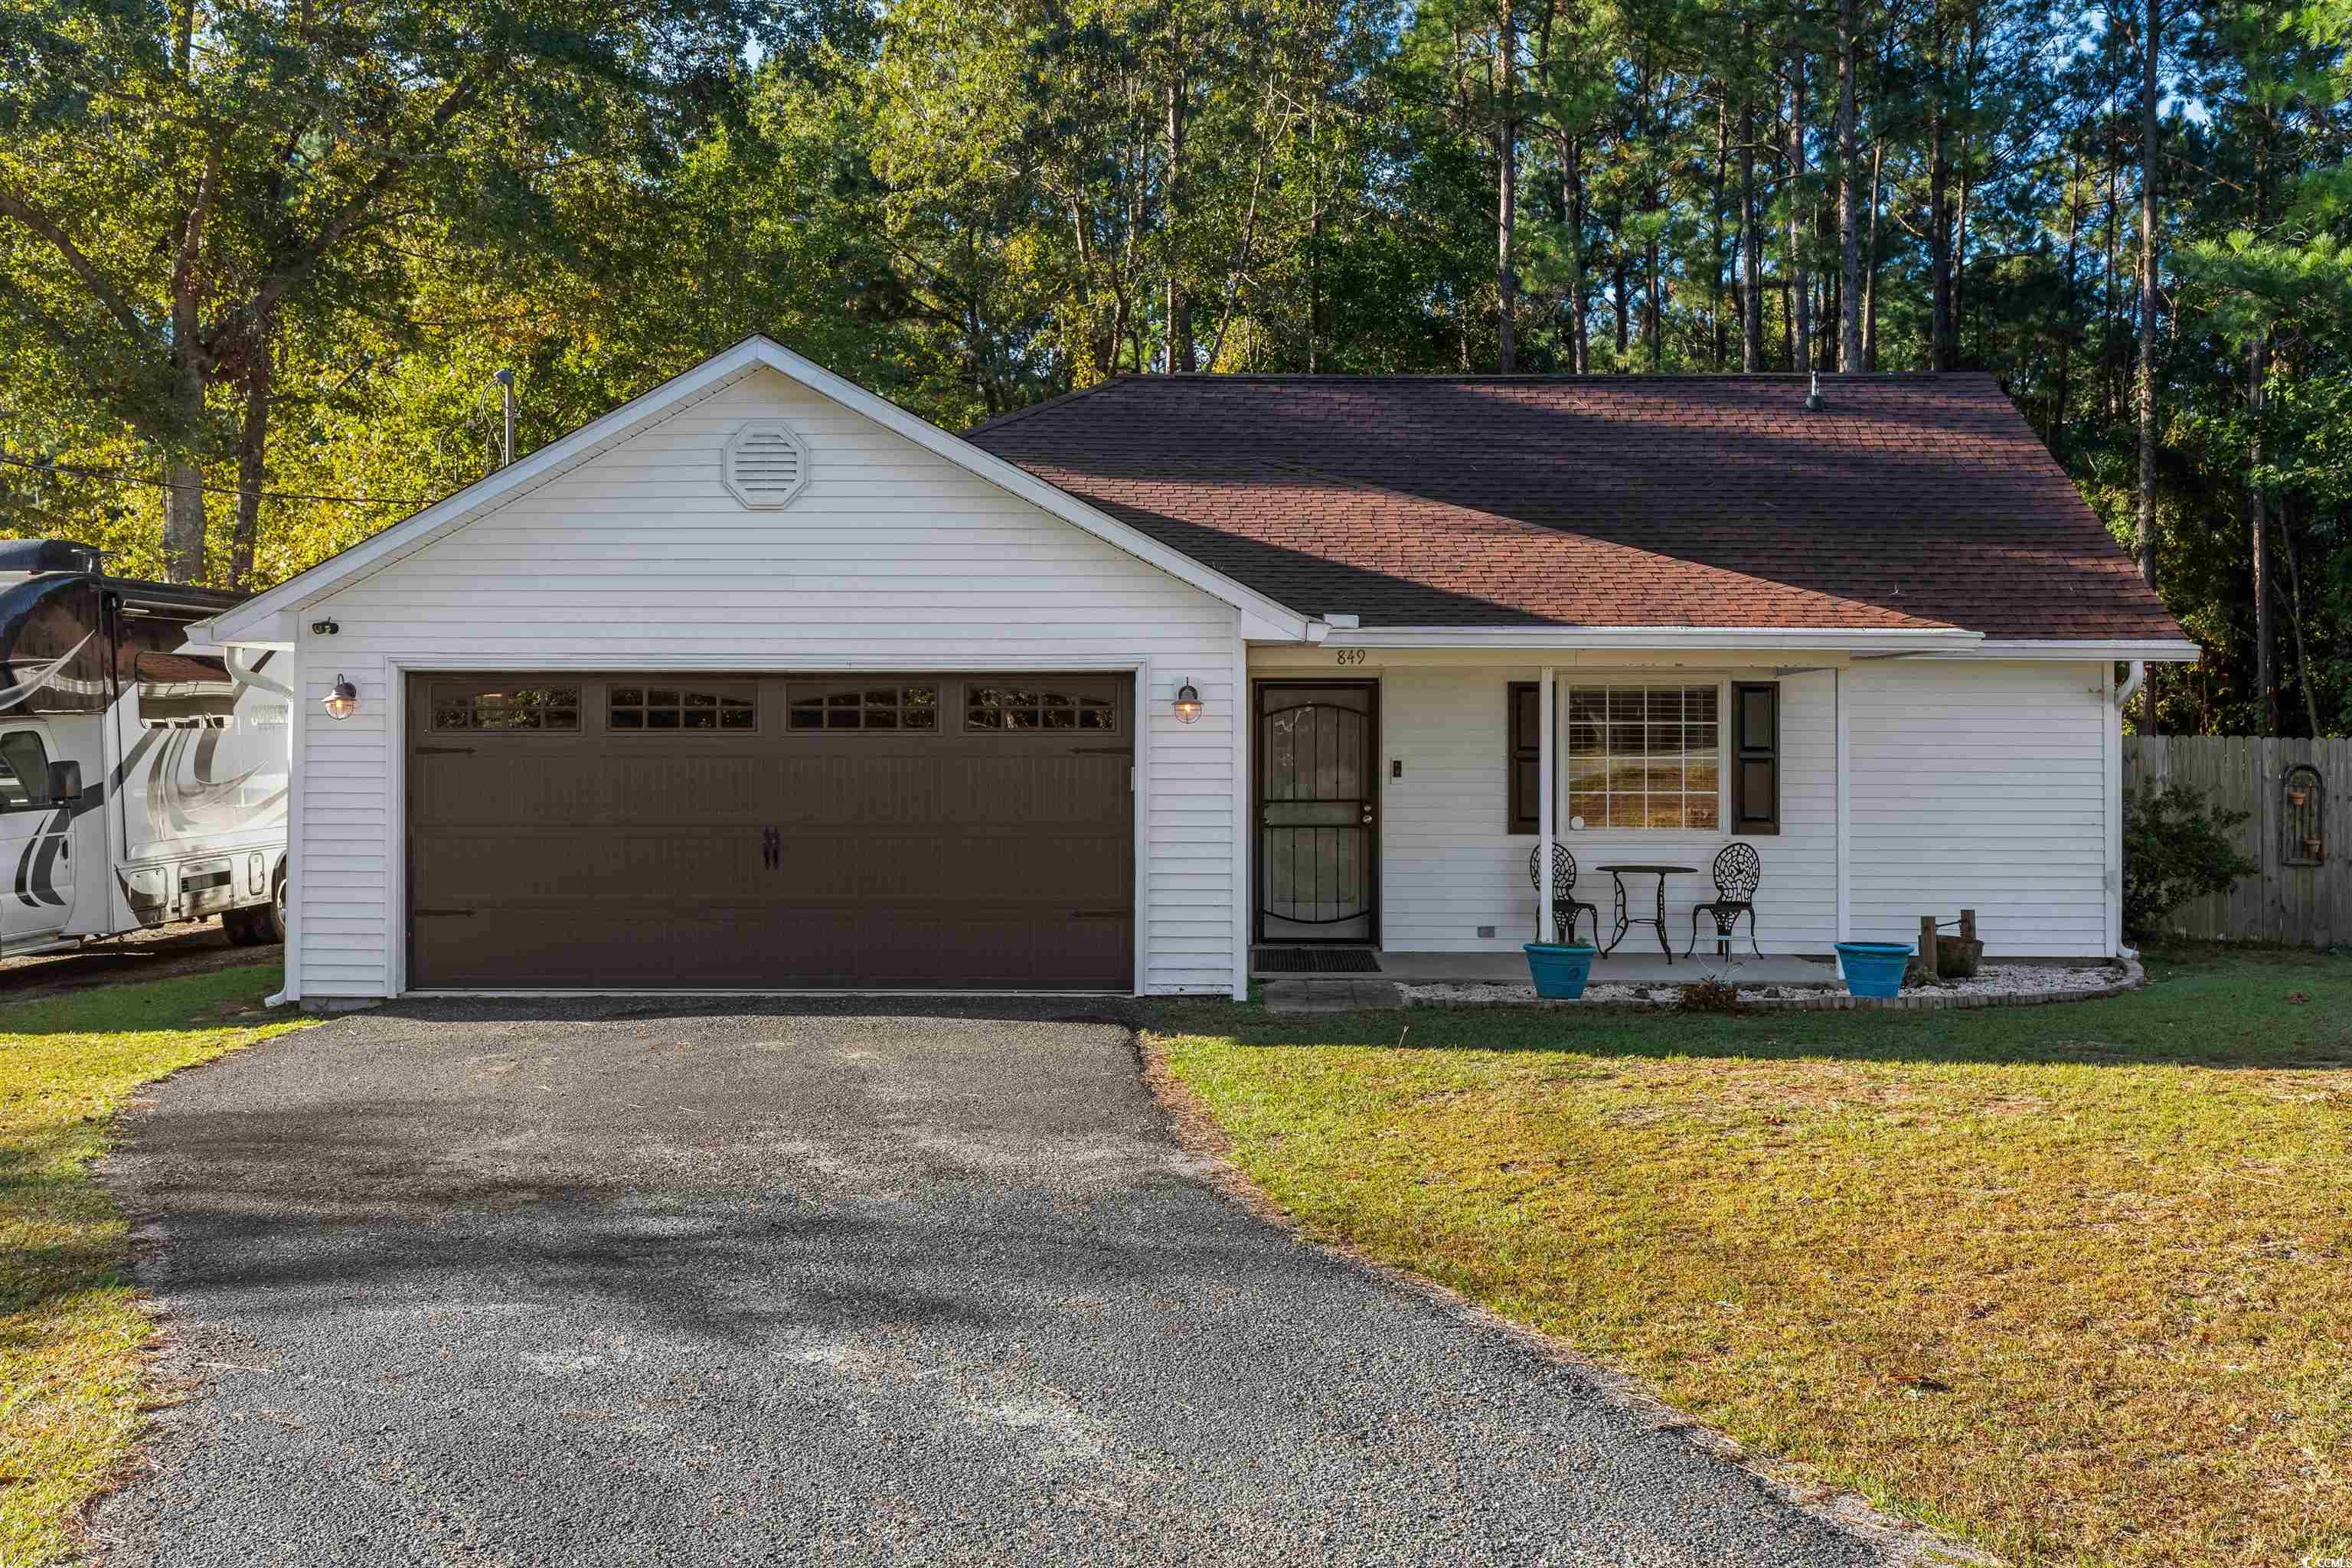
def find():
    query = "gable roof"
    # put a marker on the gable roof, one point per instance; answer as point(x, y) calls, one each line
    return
point(263, 618)
point(1911, 501)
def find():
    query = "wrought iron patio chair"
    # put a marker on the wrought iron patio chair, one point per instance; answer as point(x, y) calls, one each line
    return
point(1738, 871)
point(1564, 905)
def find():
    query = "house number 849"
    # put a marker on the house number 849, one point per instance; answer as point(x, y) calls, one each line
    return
point(1350, 655)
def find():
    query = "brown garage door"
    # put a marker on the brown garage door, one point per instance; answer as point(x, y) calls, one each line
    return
point(887, 831)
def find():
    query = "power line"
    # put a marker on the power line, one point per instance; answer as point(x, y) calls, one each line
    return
point(123, 478)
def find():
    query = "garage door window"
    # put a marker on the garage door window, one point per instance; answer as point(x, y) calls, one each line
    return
point(510, 708)
point(1024, 707)
point(683, 708)
point(862, 705)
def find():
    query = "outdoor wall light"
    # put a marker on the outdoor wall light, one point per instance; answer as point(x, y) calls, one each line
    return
point(1188, 703)
point(343, 700)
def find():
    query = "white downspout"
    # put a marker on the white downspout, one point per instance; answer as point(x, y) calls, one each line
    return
point(1544, 824)
point(2133, 681)
point(2112, 805)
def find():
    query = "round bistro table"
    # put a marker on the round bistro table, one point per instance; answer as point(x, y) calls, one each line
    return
point(1626, 919)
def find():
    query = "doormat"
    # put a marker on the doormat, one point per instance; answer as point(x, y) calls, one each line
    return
point(1315, 961)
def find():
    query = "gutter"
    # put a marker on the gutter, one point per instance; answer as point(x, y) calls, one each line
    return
point(1904, 640)
point(2132, 683)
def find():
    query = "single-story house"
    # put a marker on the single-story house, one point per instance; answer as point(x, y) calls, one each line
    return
point(762, 682)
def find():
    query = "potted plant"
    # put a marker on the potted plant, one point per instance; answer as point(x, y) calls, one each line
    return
point(1560, 969)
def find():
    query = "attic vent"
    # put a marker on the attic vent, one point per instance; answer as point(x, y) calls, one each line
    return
point(765, 465)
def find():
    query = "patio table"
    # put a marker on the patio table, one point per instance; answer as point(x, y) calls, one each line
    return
point(1626, 920)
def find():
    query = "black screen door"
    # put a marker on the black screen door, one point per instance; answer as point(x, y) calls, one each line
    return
point(1316, 851)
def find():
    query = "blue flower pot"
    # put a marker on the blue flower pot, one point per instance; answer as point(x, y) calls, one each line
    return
point(1872, 968)
point(1560, 969)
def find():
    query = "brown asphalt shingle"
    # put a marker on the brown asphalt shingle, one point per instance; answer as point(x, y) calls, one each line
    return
point(1911, 501)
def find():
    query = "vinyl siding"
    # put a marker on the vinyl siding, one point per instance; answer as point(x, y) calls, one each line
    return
point(1984, 786)
point(1448, 867)
point(639, 553)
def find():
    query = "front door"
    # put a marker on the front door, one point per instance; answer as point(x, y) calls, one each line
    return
point(1316, 852)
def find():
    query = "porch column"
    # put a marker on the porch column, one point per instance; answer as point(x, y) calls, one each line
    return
point(1545, 744)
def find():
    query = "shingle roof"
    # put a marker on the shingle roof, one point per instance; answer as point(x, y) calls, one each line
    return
point(1910, 500)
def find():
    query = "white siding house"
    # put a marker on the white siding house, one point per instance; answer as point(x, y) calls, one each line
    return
point(1918, 766)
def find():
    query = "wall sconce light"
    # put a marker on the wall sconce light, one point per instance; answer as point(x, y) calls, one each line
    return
point(343, 700)
point(1188, 703)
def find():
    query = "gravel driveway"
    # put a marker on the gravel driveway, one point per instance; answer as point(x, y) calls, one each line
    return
point(612, 1282)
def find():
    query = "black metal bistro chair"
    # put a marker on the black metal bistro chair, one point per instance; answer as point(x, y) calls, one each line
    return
point(1564, 905)
point(1738, 870)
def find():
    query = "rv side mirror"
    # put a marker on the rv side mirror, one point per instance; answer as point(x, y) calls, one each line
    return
point(64, 782)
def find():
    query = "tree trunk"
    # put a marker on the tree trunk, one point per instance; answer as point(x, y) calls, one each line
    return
point(1751, 279)
point(1959, 264)
point(1180, 356)
point(1720, 254)
point(184, 523)
point(2063, 380)
point(1941, 355)
point(1572, 164)
point(1800, 276)
point(1960, 218)
point(2258, 517)
point(1849, 207)
point(2148, 171)
point(1313, 281)
point(183, 499)
point(1870, 260)
point(2295, 622)
point(252, 471)
point(1658, 312)
point(1623, 342)
point(1834, 310)
point(1507, 187)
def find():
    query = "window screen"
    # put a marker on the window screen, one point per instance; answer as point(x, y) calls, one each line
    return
point(1644, 756)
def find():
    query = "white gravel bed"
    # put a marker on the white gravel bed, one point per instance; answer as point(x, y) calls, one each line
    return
point(1991, 980)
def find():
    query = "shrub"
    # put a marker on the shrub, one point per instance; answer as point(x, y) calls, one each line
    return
point(2175, 847)
point(1712, 994)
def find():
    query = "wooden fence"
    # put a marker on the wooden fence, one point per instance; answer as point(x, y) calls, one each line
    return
point(2306, 905)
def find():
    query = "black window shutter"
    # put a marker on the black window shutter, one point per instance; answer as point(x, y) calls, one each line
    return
point(1756, 757)
point(1525, 741)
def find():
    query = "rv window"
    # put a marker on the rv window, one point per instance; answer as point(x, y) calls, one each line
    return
point(184, 691)
point(23, 771)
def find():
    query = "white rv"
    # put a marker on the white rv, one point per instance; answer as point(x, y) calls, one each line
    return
point(143, 778)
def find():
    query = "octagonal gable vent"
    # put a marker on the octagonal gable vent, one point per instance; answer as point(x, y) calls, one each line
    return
point(765, 464)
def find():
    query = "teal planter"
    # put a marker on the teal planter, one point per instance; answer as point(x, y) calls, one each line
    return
point(1560, 969)
point(1872, 968)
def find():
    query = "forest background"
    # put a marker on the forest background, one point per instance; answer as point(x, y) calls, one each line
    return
point(258, 262)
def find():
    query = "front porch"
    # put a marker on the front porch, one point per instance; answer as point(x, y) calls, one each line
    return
point(1402, 797)
point(1631, 964)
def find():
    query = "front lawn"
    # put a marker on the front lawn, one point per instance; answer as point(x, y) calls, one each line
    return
point(71, 1375)
point(2075, 1283)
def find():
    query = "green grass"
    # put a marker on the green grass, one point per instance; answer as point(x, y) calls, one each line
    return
point(2075, 1283)
point(72, 1375)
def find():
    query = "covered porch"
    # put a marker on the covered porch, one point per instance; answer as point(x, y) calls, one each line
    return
point(1405, 798)
point(1631, 964)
